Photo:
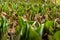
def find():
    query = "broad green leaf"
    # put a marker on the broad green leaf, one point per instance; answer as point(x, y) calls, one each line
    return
point(59, 15)
point(40, 9)
point(5, 7)
point(3, 26)
point(34, 10)
point(40, 29)
point(48, 24)
point(50, 37)
point(21, 22)
point(27, 32)
point(31, 22)
point(57, 35)
point(20, 10)
point(54, 9)
point(33, 35)
point(51, 30)
point(23, 33)
point(22, 26)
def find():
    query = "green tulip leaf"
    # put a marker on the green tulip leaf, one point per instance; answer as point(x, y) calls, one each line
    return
point(5, 7)
point(21, 22)
point(57, 35)
point(4, 22)
point(49, 24)
point(20, 10)
point(30, 22)
point(59, 15)
point(33, 35)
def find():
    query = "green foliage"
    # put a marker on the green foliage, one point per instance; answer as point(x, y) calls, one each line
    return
point(3, 28)
point(27, 32)
point(57, 35)
point(12, 6)
point(0, 7)
point(59, 15)
point(19, 10)
point(49, 24)
point(33, 35)
point(5, 7)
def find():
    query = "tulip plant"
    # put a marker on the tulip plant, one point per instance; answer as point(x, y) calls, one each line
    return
point(29, 20)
